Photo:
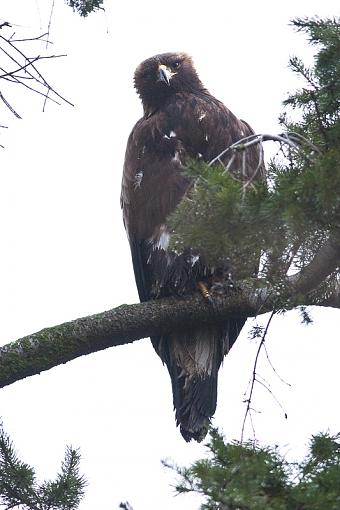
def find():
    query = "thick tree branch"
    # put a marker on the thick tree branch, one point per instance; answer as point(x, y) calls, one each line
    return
point(325, 262)
point(52, 346)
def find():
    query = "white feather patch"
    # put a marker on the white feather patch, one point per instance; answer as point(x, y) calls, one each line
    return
point(161, 239)
point(176, 158)
point(204, 353)
point(194, 259)
point(172, 134)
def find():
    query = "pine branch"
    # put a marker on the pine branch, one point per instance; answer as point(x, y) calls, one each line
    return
point(85, 7)
point(19, 488)
point(125, 506)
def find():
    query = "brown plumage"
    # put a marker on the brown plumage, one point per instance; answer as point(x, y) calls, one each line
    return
point(181, 120)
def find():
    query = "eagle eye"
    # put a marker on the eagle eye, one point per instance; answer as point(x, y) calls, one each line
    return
point(176, 65)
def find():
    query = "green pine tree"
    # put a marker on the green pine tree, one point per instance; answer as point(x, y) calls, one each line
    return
point(248, 476)
point(289, 218)
point(19, 487)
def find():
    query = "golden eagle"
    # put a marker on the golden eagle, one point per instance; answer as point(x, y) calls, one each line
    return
point(181, 121)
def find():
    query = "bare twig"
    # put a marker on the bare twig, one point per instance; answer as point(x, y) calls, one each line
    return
point(39, 78)
point(293, 140)
point(253, 379)
point(46, 97)
point(273, 368)
point(24, 39)
point(9, 106)
point(44, 94)
point(26, 68)
point(4, 24)
point(300, 140)
point(49, 24)
point(266, 387)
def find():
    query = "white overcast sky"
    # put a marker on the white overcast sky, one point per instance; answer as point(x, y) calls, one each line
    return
point(64, 253)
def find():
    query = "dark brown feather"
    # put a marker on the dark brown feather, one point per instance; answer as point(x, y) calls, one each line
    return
point(181, 120)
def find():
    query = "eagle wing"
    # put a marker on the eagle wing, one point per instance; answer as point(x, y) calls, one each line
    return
point(152, 186)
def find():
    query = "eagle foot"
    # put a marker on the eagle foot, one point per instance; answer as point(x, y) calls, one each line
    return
point(204, 291)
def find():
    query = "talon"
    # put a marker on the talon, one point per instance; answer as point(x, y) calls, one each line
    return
point(204, 291)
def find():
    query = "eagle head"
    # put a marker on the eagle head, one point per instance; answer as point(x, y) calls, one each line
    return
point(161, 76)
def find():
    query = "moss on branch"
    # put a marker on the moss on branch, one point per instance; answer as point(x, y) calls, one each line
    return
point(59, 344)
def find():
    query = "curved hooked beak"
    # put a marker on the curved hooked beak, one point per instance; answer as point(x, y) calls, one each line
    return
point(164, 74)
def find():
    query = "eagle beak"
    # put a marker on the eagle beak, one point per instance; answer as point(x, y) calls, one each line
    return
point(165, 74)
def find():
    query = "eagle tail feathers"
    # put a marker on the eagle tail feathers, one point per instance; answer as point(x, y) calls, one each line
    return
point(193, 360)
point(197, 408)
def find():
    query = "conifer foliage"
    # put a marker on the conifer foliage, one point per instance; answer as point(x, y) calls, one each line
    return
point(248, 476)
point(19, 487)
point(85, 7)
point(287, 219)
